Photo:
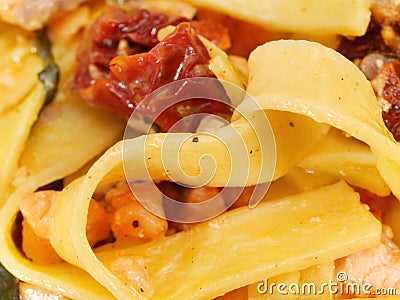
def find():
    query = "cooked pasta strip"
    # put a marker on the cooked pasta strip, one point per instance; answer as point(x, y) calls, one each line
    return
point(318, 275)
point(148, 156)
point(21, 98)
point(320, 228)
point(68, 134)
point(61, 278)
point(348, 159)
point(298, 284)
point(19, 65)
point(170, 7)
point(29, 291)
point(70, 241)
point(296, 181)
point(293, 131)
point(328, 88)
point(16, 125)
point(308, 16)
point(262, 290)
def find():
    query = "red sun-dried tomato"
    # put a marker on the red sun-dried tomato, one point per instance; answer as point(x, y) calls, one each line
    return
point(116, 32)
point(214, 32)
point(121, 61)
point(387, 88)
point(360, 47)
point(180, 56)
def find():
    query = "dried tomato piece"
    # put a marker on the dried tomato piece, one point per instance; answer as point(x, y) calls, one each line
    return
point(214, 32)
point(387, 88)
point(121, 61)
point(361, 46)
point(180, 55)
point(116, 32)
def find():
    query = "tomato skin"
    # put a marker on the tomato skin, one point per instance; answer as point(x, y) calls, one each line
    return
point(118, 83)
point(100, 43)
point(180, 56)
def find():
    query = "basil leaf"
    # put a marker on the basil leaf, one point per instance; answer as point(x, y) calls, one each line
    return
point(8, 285)
point(50, 75)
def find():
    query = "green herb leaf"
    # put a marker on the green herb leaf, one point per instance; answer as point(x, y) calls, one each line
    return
point(50, 75)
point(8, 285)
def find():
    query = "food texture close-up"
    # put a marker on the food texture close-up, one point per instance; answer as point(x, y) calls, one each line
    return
point(198, 149)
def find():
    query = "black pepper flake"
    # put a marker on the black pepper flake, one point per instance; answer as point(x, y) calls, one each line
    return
point(135, 224)
point(195, 139)
point(142, 290)
point(291, 124)
point(251, 151)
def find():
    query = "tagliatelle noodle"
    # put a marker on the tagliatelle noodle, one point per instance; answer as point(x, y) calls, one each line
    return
point(68, 238)
point(76, 231)
point(318, 275)
point(62, 140)
point(68, 229)
point(348, 159)
point(308, 133)
point(19, 65)
point(60, 143)
point(327, 87)
point(21, 98)
point(16, 125)
point(112, 172)
point(309, 16)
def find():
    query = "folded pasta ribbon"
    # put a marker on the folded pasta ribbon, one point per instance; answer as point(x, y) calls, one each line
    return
point(315, 81)
point(301, 86)
point(305, 16)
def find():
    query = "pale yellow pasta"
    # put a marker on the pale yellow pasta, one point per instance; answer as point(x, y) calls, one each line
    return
point(62, 140)
point(298, 283)
point(296, 181)
point(68, 238)
point(171, 7)
point(239, 134)
point(328, 88)
point(348, 159)
point(318, 275)
point(17, 124)
point(19, 65)
point(260, 290)
point(309, 16)
point(308, 93)
point(68, 132)
point(21, 98)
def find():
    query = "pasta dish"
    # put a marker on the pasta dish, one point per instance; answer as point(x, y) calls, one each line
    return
point(198, 149)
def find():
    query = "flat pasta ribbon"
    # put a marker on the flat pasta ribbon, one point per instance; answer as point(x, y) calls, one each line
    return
point(309, 79)
point(348, 159)
point(304, 16)
point(288, 100)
